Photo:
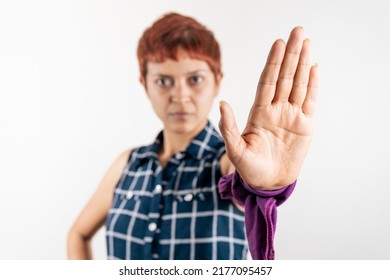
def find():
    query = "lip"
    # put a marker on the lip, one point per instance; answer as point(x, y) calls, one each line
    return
point(180, 115)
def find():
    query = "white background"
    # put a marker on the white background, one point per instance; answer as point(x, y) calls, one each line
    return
point(70, 102)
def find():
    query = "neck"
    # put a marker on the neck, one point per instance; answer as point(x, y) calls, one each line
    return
point(175, 142)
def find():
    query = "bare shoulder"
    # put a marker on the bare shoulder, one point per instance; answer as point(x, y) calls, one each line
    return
point(112, 176)
point(118, 165)
point(114, 172)
point(95, 212)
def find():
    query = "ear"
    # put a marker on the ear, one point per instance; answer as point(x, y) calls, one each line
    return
point(142, 81)
point(218, 79)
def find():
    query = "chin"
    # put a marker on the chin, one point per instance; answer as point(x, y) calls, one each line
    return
point(181, 127)
point(185, 127)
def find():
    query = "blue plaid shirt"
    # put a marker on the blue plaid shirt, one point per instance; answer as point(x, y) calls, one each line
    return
point(175, 212)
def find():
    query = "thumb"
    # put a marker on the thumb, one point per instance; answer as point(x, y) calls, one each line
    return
point(229, 131)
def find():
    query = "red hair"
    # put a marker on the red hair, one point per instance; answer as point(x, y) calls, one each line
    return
point(173, 31)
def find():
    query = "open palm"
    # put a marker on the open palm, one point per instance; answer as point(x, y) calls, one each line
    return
point(270, 151)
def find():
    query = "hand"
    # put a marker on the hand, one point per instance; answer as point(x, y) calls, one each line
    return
point(270, 152)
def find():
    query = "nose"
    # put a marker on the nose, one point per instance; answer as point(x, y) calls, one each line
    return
point(181, 93)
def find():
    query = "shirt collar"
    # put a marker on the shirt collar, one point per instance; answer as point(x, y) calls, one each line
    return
point(205, 144)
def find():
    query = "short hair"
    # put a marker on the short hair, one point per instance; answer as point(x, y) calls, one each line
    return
point(173, 31)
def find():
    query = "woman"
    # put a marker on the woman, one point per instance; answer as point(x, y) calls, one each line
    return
point(162, 201)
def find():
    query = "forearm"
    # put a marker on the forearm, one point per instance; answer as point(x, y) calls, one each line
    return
point(78, 247)
point(260, 212)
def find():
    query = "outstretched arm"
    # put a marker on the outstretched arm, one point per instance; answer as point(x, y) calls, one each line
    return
point(270, 151)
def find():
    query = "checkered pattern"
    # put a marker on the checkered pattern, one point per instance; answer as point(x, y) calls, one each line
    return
point(175, 212)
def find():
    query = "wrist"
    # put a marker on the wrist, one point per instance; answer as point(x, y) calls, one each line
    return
point(267, 184)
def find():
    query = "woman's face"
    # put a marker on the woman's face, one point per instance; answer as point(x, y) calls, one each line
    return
point(181, 92)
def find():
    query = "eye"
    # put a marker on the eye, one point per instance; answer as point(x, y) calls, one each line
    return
point(196, 80)
point(164, 82)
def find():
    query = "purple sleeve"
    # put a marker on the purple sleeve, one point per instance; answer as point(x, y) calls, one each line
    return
point(260, 212)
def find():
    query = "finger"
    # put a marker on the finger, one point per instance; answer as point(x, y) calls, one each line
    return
point(269, 77)
point(229, 131)
point(301, 78)
point(308, 106)
point(289, 65)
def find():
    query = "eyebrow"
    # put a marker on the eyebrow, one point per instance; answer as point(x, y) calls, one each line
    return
point(197, 71)
point(189, 73)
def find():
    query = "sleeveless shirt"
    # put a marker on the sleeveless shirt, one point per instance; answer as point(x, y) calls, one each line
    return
point(175, 212)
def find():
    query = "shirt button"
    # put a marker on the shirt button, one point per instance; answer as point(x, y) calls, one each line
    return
point(188, 197)
point(152, 226)
point(129, 195)
point(158, 188)
point(179, 156)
